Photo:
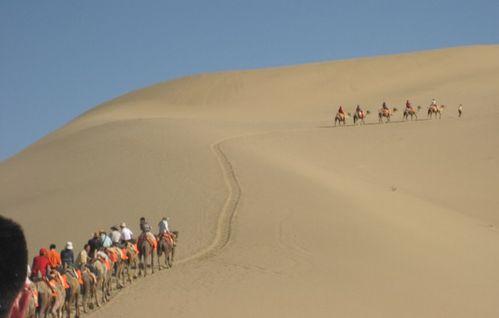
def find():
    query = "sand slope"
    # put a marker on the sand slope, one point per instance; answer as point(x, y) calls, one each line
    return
point(279, 213)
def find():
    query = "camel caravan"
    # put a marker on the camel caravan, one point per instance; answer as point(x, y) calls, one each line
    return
point(385, 113)
point(61, 284)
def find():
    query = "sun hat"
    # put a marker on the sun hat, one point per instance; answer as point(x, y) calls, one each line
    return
point(69, 245)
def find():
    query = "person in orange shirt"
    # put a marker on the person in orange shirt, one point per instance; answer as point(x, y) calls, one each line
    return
point(54, 257)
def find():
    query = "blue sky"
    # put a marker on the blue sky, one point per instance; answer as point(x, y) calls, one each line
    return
point(61, 58)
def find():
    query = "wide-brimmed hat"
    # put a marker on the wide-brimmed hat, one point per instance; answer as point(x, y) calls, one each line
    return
point(114, 227)
point(69, 245)
point(123, 224)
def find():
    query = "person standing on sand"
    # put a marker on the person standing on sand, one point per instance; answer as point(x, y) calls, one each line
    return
point(460, 110)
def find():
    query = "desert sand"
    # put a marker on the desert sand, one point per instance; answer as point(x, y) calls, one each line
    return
point(279, 213)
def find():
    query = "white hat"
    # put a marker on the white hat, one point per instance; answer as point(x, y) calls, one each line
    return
point(69, 245)
point(123, 224)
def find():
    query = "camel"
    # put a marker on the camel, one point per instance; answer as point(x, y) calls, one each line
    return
point(360, 115)
point(435, 110)
point(410, 112)
point(32, 302)
point(103, 279)
point(73, 293)
point(387, 113)
point(59, 297)
point(146, 250)
point(132, 261)
point(116, 257)
point(167, 248)
point(89, 289)
point(39, 300)
point(341, 118)
point(45, 298)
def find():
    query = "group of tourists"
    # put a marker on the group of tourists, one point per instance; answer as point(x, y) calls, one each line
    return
point(119, 236)
point(408, 107)
point(106, 254)
point(385, 112)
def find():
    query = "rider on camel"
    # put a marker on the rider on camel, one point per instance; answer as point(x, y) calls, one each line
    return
point(340, 110)
point(40, 264)
point(385, 107)
point(359, 110)
point(54, 257)
point(126, 233)
point(146, 233)
point(105, 239)
point(144, 225)
point(67, 256)
point(408, 105)
point(164, 230)
point(115, 235)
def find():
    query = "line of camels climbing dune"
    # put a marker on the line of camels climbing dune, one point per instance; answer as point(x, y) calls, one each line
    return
point(89, 284)
point(386, 113)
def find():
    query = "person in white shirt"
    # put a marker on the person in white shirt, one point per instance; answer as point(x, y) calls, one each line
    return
point(115, 235)
point(164, 231)
point(126, 233)
point(163, 225)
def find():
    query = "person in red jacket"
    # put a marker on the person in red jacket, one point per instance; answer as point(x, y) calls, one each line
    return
point(40, 264)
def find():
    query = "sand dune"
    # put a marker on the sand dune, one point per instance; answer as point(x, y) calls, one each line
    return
point(280, 214)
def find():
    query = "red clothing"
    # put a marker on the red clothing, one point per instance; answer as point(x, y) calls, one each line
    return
point(40, 264)
point(54, 259)
point(340, 110)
